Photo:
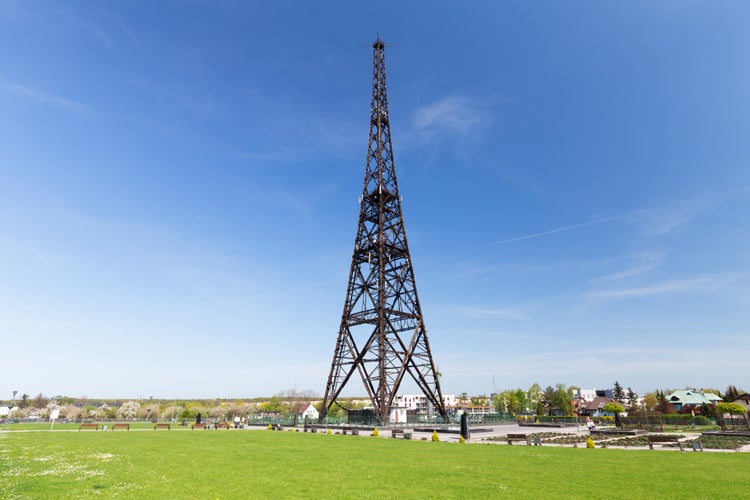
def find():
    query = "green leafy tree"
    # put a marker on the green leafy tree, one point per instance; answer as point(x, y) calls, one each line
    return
point(731, 408)
point(617, 393)
point(663, 404)
point(731, 394)
point(535, 397)
point(548, 401)
point(273, 405)
point(512, 402)
point(632, 400)
point(614, 408)
point(707, 411)
point(563, 399)
point(651, 401)
point(522, 400)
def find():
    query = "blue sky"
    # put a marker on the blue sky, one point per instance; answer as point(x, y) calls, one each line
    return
point(179, 186)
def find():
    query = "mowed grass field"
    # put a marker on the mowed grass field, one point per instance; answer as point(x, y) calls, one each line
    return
point(250, 464)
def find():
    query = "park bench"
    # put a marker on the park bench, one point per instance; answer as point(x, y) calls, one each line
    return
point(89, 427)
point(116, 426)
point(518, 437)
point(663, 439)
point(199, 426)
point(404, 433)
point(162, 426)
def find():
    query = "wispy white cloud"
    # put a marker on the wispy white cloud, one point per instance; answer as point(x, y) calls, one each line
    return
point(700, 283)
point(41, 96)
point(451, 118)
point(482, 312)
point(669, 218)
point(455, 113)
point(643, 263)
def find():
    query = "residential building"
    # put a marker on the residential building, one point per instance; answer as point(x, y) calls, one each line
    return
point(692, 398)
point(420, 403)
point(595, 408)
point(308, 412)
point(744, 400)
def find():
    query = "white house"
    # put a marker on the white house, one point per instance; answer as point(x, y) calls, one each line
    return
point(308, 412)
point(419, 402)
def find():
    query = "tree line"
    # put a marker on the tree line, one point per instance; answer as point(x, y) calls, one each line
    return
point(559, 400)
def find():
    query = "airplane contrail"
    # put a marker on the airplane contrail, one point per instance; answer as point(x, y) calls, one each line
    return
point(574, 226)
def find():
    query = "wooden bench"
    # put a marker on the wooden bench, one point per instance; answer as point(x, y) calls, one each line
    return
point(518, 437)
point(404, 433)
point(199, 426)
point(663, 439)
point(89, 427)
point(120, 426)
point(162, 427)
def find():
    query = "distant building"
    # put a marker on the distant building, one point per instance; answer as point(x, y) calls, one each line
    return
point(308, 412)
point(420, 404)
point(595, 408)
point(587, 395)
point(692, 398)
point(744, 400)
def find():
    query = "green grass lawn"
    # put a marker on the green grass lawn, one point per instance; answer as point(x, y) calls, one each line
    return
point(246, 464)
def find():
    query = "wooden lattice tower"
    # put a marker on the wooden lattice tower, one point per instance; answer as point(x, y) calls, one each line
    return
point(382, 334)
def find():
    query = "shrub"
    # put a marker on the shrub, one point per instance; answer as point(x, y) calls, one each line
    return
point(375, 432)
point(731, 408)
point(435, 437)
point(684, 419)
point(589, 443)
point(461, 439)
point(613, 408)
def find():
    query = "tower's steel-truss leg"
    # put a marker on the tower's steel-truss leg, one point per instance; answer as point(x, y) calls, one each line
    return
point(382, 336)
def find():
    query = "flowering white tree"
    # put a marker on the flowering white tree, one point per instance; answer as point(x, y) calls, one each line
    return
point(70, 412)
point(46, 411)
point(128, 410)
point(217, 412)
point(100, 412)
point(149, 412)
point(171, 412)
point(19, 413)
